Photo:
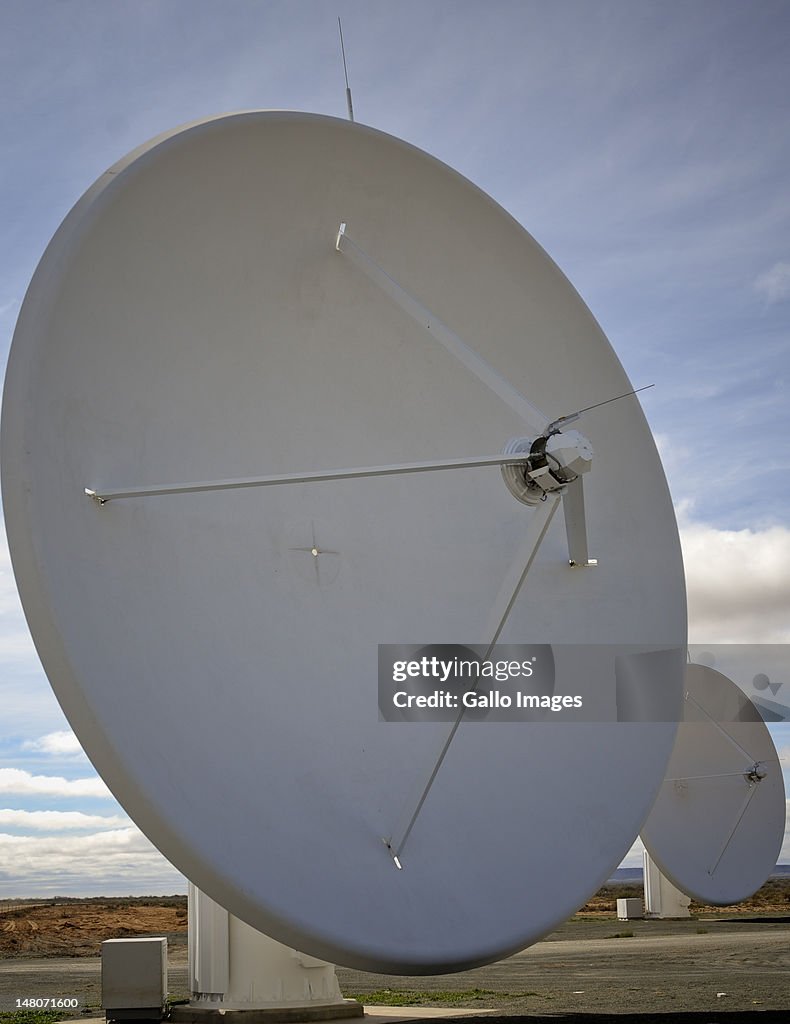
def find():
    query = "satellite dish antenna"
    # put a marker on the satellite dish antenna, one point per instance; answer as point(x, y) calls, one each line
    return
point(717, 826)
point(200, 316)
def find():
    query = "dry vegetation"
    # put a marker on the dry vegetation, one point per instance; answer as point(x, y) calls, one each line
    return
point(772, 900)
point(76, 927)
point(70, 927)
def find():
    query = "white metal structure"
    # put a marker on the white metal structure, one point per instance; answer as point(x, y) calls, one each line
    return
point(215, 650)
point(662, 898)
point(717, 826)
point(234, 967)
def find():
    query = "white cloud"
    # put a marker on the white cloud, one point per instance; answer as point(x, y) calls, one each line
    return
point(62, 743)
point(774, 284)
point(15, 780)
point(57, 821)
point(738, 583)
point(118, 862)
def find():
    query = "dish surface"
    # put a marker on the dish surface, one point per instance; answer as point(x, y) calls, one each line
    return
point(717, 826)
point(192, 319)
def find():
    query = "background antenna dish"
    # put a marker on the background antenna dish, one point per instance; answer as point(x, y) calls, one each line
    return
point(192, 319)
point(717, 825)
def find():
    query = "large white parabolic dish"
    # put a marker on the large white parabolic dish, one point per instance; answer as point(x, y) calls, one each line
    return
point(717, 826)
point(193, 320)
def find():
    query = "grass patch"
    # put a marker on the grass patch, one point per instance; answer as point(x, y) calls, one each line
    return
point(416, 997)
point(33, 1016)
point(702, 931)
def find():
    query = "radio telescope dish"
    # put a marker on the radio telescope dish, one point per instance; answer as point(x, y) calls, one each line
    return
point(202, 315)
point(717, 826)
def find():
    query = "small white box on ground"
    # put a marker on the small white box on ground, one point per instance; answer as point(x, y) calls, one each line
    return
point(629, 910)
point(134, 978)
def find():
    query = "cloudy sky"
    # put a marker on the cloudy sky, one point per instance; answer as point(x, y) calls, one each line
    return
point(645, 145)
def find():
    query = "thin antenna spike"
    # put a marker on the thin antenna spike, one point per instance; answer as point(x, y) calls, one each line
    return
point(349, 104)
point(563, 421)
point(617, 398)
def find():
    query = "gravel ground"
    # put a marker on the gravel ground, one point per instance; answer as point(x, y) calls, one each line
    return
point(713, 967)
point(720, 970)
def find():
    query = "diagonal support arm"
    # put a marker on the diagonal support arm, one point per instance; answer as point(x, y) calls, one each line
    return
point(500, 612)
point(442, 333)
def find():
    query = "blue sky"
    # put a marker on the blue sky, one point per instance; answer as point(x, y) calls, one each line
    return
point(645, 145)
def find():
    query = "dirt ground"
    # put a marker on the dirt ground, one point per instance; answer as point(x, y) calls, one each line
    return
point(76, 927)
point(719, 964)
point(67, 928)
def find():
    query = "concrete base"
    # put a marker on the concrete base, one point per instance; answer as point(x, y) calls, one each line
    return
point(139, 1013)
point(373, 1014)
point(188, 1014)
point(395, 1014)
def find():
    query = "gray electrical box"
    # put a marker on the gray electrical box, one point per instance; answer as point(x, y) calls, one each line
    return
point(134, 978)
point(630, 909)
